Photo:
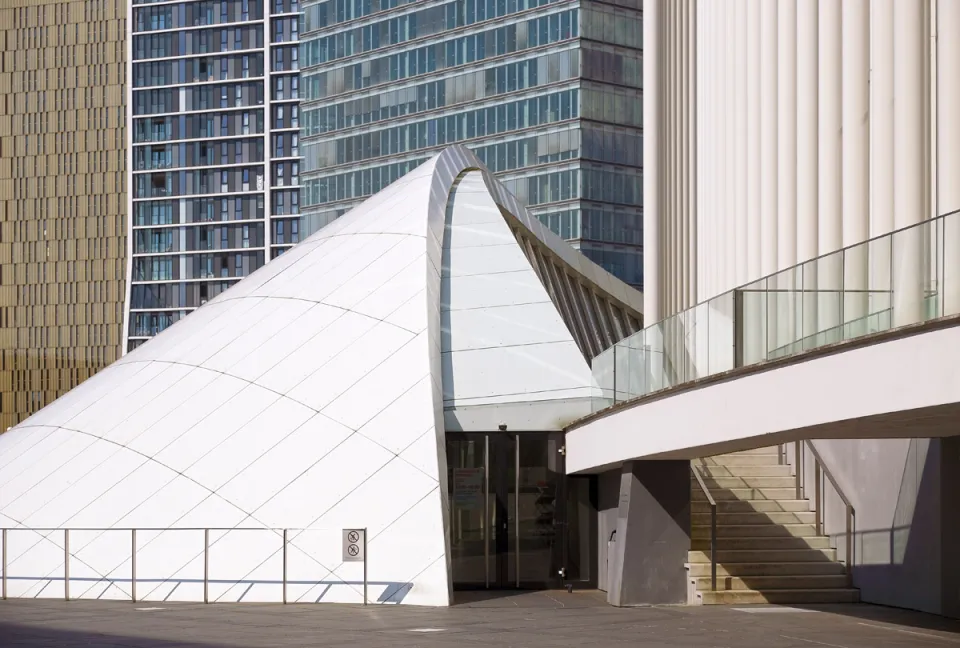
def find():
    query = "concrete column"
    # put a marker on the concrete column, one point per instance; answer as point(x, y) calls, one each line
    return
point(729, 161)
point(653, 534)
point(740, 138)
point(651, 156)
point(754, 244)
point(768, 168)
point(881, 151)
point(807, 155)
point(856, 159)
point(908, 159)
point(787, 170)
point(692, 94)
point(829, 279)
point(948, 148)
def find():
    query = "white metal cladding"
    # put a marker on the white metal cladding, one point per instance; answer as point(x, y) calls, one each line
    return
point(310, 395)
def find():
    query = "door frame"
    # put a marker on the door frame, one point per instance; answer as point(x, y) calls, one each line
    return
point(501, 463)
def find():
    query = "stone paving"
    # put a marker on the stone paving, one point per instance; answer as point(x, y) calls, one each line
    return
point(541, 619)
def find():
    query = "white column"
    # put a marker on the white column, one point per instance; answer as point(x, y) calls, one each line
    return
point(948, 148)
point(669, 281)
point(754, 271)
point(908, 159)
point(754, 328)
point(787, 307)
point(730, 161)
point(807, 155)
point(692, 98)
point(768, 166)
point(881, 151)
point(856, 159)
point(830, 224)
point(740, 152)
point(651, 158)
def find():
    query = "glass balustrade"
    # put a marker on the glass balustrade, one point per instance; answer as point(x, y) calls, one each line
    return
point(899, 279)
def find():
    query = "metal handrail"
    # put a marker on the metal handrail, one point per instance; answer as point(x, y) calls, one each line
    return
point(851, 514)
point(713, 527)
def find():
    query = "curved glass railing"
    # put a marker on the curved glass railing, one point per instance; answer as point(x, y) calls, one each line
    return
point(906, 277)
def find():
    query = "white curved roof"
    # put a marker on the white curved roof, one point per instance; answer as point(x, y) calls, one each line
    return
point(312, 395)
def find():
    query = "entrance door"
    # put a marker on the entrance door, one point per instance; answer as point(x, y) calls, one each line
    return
point(507, 507)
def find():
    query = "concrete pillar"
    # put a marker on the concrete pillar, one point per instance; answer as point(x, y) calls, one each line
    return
point(786, 170)
point(881, 151)
point(829, 279)
point(908, 159)
point(768, 137)
point(729, 160)
point(948, 148)
point(653, 534)
point(856, 159)
point(651, 156)
point(740, 138)
point(691, 188)
point(807, 156)
point(753, 140)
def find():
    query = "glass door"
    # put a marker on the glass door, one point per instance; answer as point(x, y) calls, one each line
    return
point(507, 505)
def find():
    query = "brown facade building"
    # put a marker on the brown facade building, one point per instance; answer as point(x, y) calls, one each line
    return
point(62, 196)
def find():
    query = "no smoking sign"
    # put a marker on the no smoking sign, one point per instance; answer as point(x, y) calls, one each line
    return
point(354, 544)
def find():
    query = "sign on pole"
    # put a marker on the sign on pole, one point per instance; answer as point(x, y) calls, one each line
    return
point(354, 545)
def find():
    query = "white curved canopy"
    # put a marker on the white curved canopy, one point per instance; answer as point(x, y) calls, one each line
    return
point(314, 395)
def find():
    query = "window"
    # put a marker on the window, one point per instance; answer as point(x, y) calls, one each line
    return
point(245, 10)
point(224, 125)
point(279, 229)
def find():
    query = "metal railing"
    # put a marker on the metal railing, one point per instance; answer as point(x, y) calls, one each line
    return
point(45, 531)
point(713, 527)
point(820, 470)
point(905, 277)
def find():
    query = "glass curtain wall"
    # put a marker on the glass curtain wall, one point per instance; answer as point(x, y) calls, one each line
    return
point(547, 93)
point(215, 151)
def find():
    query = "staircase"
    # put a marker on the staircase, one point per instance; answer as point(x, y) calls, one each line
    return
point(767, 547)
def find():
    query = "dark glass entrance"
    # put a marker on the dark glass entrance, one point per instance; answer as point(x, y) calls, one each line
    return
point(516, 521)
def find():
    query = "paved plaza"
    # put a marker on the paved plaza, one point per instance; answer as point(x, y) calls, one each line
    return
point(542, 619)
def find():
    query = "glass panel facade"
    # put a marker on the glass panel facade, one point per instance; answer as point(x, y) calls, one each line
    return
point(63, 207)
point(547, 93)
point(215, 150)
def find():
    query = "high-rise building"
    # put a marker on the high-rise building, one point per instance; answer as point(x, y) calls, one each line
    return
point(213, 100)
point(62, 197)
point(547, 93)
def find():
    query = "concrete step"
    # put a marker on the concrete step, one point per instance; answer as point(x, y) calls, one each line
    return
point(702, 569)
point(756, 531)
point(699, 518)
point(750, 506)
point(715, 483)
point(768, 450)
point(780, 597)
point(744, 493)
point(764, 583)
point(741, 460)
point(746, 471)
point(728, 556)
point(703, 544)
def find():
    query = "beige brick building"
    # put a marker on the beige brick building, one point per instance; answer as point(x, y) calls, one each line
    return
point(62, 196)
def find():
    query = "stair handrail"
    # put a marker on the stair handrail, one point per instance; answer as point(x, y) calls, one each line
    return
point(851, 514)
point(713, 527)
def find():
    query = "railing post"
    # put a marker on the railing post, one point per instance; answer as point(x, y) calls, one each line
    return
point(133, 565)
point(797, 450)
point(849, 557)
point(206, 565)
point(365, 565)
point(284, 566)
point(713, 548)
point(737, 328)
point(4, 564)
point(66, 564)
point(818, 509)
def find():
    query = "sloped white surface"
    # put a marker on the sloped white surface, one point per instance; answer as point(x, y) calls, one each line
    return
point(308, 397)
point(503, 339)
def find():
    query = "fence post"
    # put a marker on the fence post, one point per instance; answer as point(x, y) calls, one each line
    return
point(66, 564)
point(797, 449)
point(4, 564)
point(284, 566)
point(133, 565)
point(206, 565)
point(817, 506)
point(364, 565)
